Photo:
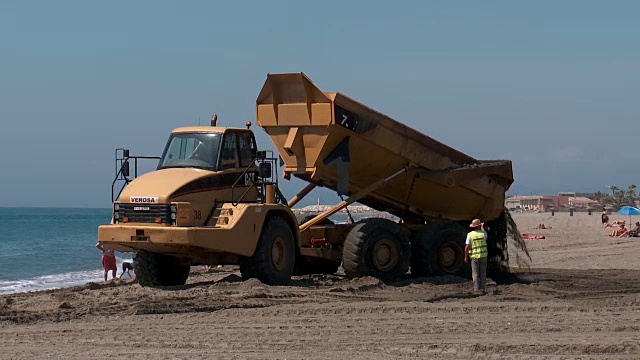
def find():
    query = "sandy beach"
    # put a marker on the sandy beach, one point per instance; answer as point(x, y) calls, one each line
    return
point(579, 297)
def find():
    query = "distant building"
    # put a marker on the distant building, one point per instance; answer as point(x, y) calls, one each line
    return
point(544, 202)
point(581, 201)
point(533, 202)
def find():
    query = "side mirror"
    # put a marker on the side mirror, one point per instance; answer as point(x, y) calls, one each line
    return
point(265, 170)
point(261, 155)
point(125, 169)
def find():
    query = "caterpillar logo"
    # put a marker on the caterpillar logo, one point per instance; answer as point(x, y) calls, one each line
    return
point(249, 178)
point(144, 199)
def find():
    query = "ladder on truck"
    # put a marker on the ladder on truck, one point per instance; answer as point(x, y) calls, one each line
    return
point(123, 177)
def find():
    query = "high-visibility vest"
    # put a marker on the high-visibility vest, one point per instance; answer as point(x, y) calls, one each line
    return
point(478, 245)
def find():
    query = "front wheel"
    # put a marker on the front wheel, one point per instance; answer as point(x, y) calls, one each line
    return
point(274, 258)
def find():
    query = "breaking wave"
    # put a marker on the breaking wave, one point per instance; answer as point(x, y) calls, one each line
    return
point(55, 281)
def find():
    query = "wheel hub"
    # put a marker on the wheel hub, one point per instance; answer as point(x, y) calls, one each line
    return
point(278, 253)
point(384, 255)
point(449, 257)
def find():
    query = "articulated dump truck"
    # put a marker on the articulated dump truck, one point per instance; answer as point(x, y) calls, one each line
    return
point(214, 198)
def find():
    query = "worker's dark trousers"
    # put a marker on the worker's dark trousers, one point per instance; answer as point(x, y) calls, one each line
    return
point(479, 274)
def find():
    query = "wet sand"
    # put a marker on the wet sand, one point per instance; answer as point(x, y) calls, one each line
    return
point(578, 298)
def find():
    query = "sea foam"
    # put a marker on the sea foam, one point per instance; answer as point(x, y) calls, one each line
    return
point(56, 281)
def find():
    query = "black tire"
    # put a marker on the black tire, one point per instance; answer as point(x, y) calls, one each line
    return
point(376, 247)
point(276, 237)
point(154, 269)
point(438, 249)
point(310, 265)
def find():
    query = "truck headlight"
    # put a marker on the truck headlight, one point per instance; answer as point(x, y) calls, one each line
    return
point(116, 213)
point(173, 209)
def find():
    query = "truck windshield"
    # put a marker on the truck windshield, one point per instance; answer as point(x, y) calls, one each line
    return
point(199, 150)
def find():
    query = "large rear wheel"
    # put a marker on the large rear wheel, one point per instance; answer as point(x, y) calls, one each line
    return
point(274, 257)
point(438, 249)
point(376, 247)
point(153, 269)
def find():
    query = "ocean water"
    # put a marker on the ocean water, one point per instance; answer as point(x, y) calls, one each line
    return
point(47, 248)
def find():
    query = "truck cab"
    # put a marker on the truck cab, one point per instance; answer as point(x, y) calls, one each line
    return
point(198, 167)
point(209, 148)
point(206, 203)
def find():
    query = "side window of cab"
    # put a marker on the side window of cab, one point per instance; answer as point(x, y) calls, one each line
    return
point(229, 153)
point(246, 147)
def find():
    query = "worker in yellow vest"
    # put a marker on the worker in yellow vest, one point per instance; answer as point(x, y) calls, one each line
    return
point(476, 248)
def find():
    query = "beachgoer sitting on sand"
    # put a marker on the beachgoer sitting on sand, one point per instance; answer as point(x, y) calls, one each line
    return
point(619, 232)
point(615, 224)
point(542, 226)
point(126, 267)
point(209, 267)
point(526, 236)
point(635, 232)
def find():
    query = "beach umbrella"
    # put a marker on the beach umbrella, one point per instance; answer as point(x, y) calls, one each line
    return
point(629, 211)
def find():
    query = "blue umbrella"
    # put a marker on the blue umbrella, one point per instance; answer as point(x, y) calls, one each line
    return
point(629, 211)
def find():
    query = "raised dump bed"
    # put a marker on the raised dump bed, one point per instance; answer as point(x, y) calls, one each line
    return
point(331, 140)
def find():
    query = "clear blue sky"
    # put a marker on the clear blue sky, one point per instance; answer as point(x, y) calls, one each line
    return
point(552, 85)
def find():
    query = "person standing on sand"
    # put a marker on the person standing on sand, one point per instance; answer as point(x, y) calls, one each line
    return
point(605, 217)
point(108, 261)
point(476, 248)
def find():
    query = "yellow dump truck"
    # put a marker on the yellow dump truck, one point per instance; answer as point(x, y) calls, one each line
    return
point(214, 198)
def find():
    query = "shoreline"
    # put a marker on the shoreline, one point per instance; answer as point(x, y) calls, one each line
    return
point(57, 280)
